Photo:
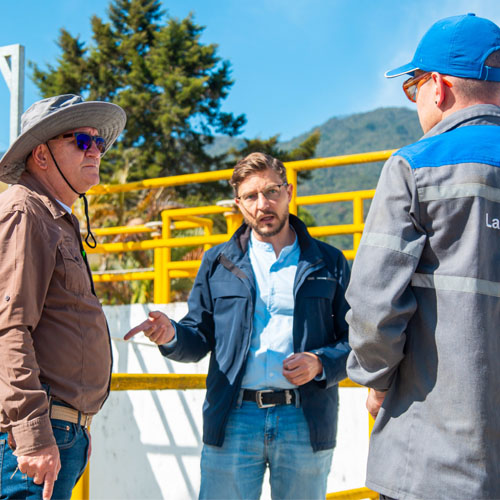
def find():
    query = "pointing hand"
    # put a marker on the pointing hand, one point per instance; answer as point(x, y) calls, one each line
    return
point(158, 328)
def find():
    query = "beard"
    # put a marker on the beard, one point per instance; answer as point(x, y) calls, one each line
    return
point(266, 232)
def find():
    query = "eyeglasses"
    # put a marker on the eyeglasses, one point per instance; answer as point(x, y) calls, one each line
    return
point(271, 193)
point(413, 84)
point(84, 141)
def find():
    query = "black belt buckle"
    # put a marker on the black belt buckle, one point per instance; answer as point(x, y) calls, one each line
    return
point(258, 399)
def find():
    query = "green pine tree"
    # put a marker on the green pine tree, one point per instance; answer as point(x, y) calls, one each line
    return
point(170, 84)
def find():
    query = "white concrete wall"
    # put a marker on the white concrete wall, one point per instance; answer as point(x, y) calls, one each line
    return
point(147, 444)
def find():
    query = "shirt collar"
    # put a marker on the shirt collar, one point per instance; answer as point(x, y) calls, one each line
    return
point(35, 186)
point(66, 207)
point(264, 246)
point(481, 114)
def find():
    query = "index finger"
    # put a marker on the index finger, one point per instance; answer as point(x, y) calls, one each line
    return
point(48, 486)
point(292, 362)
point(139, 328)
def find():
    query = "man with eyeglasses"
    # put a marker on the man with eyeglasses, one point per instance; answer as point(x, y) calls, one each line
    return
point(269, 306)
point(425, 287)
point(55, 356)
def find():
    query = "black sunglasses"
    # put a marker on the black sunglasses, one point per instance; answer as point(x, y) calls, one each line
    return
point(84, 141)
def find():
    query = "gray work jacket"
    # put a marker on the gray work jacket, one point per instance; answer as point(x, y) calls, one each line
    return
point(425, 317)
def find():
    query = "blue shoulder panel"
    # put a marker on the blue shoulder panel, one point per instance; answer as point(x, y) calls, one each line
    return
point(468, 144)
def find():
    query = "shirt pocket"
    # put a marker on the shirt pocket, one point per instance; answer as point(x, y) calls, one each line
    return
point(317, 297)
point(75, 272)
point(319, 287)
point(230, 299)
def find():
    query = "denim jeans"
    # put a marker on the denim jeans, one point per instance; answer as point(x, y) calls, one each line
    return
point(73, 443)
point(257, 438)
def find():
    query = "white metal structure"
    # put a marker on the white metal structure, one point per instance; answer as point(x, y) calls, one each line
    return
point(12, 67)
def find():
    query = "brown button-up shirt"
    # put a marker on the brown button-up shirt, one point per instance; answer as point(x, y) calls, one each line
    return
point(52, 327)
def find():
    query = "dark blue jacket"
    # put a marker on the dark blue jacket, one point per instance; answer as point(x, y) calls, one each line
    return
point(221, 308)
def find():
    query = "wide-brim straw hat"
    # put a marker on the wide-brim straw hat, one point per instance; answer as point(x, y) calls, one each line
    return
point(50, 117)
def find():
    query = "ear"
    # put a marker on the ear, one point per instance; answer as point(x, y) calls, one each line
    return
point(289, 192)
point(40, 156)
point(439, 89)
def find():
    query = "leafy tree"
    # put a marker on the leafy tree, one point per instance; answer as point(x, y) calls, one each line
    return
point(169, 83)
point(172, 87)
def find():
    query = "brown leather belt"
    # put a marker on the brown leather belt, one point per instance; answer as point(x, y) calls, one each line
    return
point(70, 415)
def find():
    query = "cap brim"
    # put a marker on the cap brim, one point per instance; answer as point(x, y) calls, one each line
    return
point(402, 70)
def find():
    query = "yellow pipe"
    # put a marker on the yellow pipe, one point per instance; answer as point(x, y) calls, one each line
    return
point(81, 491)
point(292, 179)
point(188, 211)
point(134, 275)
point(358, 221)
point(147, 275)
point(109, 231)
point(157, 381)
point(218, 175)
point(199, 221)
point(142, 228)
point(150, 382)
point(316, 199)
point(339, 161)
point(355, 494)
point(333, 230)
point(174, 180)
point(130, 246)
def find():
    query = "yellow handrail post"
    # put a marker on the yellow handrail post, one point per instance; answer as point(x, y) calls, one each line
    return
point(166, 254)
point(81, 491)
point(357, 220)
point(158, 272)
point(233, 221)
point(207, 231)
point(292, 179)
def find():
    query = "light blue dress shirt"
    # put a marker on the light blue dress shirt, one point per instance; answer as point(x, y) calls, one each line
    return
point(272, 337)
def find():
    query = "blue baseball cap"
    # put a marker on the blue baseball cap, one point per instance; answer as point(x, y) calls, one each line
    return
point(456, 46)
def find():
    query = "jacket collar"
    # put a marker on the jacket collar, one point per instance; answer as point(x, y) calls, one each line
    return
point(479, 114)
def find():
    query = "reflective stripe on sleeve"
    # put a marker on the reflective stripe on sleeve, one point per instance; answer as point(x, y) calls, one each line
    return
point(391, 242)
point(456, 284)
point(432, 193)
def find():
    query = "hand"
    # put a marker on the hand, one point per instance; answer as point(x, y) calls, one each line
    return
point(374, 401)
point(301, 368)
point(43, 466)
point(157, 328)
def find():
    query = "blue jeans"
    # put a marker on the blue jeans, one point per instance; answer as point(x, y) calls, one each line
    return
point(73, 443)
point(257, 438)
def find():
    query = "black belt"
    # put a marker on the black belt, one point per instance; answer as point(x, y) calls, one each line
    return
point(268, 398)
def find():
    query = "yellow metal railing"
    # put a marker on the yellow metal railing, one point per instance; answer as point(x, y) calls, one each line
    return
point(151, 382)
point(195, 217)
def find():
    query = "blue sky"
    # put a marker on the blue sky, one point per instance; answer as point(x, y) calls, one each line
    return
point(296, 63)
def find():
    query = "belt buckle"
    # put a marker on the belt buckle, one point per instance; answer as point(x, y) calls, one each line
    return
point(258, 399)
point(85, 420)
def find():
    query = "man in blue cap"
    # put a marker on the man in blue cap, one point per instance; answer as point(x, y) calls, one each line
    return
point(425, 286)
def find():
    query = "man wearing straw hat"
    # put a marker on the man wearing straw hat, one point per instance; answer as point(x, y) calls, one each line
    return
point(55, 357)
point(425, 288)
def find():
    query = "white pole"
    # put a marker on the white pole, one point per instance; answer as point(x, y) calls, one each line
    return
point(12, 68)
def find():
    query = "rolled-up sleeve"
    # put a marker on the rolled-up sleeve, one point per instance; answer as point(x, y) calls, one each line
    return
point(379, 294)
point(26, 265)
